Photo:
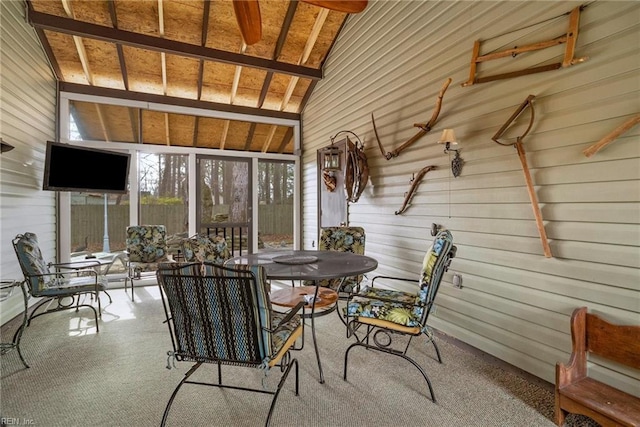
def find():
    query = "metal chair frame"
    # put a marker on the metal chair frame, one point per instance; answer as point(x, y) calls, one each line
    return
point(52, 294)
point(382, 332)
point(177, 288)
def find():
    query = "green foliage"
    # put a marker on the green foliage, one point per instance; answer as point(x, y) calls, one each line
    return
point(153, 200)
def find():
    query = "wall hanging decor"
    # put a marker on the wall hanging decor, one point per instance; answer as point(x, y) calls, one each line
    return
point(569, 38)
point(527, 104)
point(448, 138)
point(424, 127)
point(609, 138)
point(356, 170)
point(415, 181)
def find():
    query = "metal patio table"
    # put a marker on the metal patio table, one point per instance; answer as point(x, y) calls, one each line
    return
point(309, 265)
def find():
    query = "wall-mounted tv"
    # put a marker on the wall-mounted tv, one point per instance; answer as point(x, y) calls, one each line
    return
point(72, 168)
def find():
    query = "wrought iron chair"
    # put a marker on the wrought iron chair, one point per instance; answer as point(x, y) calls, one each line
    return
point(202, 248)
point(57, 282)
point(223, 316)
point(146, 248)
point(387, 313)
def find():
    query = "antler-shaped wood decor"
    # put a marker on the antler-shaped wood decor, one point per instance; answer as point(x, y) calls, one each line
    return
point(424, 127)
point(415, 181)
point(525, 168)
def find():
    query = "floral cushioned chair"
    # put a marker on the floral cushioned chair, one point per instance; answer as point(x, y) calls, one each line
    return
point(342, 239)
point(57, 281)
point(223, 316)
point(202, 248)
point(146, 248)
point(386, 312)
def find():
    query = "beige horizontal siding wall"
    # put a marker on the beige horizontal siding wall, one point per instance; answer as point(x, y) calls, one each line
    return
point(392, 60)
point(27, 121)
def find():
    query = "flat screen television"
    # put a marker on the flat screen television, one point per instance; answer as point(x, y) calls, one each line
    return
point(72, 168)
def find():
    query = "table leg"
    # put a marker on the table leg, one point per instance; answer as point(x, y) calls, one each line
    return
point(313, 332)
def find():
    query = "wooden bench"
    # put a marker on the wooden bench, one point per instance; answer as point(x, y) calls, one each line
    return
point(577, 393)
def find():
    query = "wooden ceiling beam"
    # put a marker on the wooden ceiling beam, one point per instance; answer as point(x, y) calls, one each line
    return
point(284, 31)
point(285, 140)
point(121, 60)
point(112, 35)
point(173, 100)
point(252, 130)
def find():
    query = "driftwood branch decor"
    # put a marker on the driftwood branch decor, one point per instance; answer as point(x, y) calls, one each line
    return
point(612, 136)
point(415, 181)
point(528, 103)
point(424, 127)
point(569, 38)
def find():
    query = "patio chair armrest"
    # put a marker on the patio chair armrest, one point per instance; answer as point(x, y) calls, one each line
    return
point(76, 265)
point(74, 271)
point(287, 317)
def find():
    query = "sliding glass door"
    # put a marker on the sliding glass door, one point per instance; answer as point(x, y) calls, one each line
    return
point(224, 196)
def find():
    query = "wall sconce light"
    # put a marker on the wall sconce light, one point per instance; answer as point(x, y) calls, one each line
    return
point(448, 138)
point(4, 147)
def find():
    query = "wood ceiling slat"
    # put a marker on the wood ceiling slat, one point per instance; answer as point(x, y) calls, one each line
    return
point(67, 58)
point(142, 41)
point(208, 132)
point(183, 20)
point(104, 63)
point(181, 130)
point(153, 128)
point(182, 77)
point(91, 11)
point(217, 81)
point(144, 69)
point(237, 135)
point(251, 81)
point(286, 143)
point(138, 16)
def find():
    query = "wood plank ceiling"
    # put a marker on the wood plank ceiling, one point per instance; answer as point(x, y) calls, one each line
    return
point(186, 53)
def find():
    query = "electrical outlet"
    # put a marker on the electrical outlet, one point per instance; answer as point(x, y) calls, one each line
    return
point(457, 280)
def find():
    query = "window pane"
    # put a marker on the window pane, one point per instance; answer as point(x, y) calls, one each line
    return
point(164, 182)
point(275, 209)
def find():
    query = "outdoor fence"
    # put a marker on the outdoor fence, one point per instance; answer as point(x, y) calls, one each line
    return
point(87, 222)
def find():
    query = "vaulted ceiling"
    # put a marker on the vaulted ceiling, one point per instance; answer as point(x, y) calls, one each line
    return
point(186, 53)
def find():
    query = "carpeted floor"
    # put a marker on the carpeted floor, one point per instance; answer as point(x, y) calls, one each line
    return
point(118, 377)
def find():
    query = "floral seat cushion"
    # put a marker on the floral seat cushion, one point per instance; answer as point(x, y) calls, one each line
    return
point(201, 248)
point(402, 308)
point(384, 304)
point(146, 244)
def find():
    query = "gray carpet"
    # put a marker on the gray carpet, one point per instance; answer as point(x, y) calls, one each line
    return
point(118, 377)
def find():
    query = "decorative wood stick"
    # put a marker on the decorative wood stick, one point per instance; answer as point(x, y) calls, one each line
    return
point(612, 136)
point(534, 200)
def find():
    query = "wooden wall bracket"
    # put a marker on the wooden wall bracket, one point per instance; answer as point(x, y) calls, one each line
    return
point(415, 181)
point(528, 103)
point(424, 127)
point(609, 138)
point(570, 39)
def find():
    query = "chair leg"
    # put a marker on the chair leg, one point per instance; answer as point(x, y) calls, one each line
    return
point(175, 392)
point(394, 353)
point(280, 384)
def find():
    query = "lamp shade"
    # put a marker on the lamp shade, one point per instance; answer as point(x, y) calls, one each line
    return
point(448, 137)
